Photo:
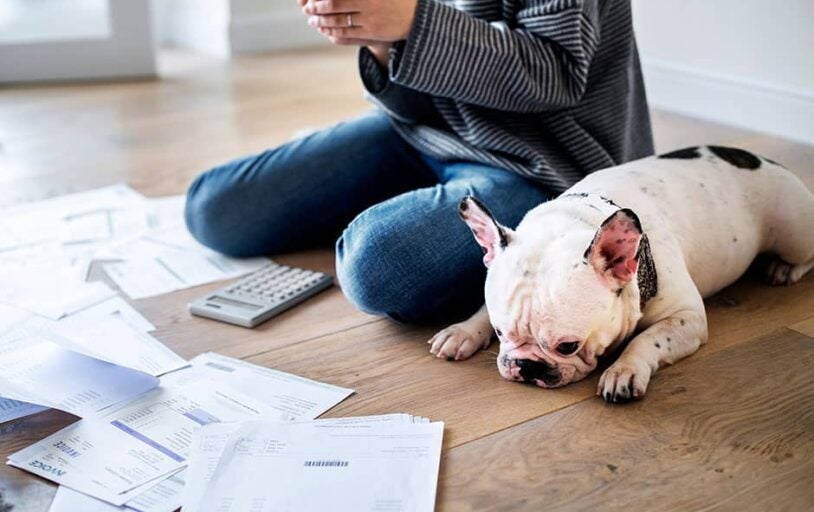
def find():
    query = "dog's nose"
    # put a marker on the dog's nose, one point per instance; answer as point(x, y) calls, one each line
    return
point(531, 370)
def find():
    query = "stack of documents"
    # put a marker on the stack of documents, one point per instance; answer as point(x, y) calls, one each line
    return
point(367, 463)
point(376, 463)
point(135, 453)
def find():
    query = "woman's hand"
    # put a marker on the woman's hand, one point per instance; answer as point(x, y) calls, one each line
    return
point(381, 51)
point(362, 22)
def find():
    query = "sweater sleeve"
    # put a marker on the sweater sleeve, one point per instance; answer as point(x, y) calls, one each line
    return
point(541, 63)
point(401, 102)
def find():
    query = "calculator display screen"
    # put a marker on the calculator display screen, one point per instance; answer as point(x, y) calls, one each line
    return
point(217, 299)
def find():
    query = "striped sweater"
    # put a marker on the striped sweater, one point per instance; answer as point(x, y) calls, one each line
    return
point(550, 89)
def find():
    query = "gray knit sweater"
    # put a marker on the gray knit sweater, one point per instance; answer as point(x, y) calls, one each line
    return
point(551, 89)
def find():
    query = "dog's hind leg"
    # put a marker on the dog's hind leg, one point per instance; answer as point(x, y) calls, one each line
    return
point(791, 231)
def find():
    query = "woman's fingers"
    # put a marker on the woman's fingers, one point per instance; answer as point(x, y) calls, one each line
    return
point(344, 20)
point(331, 6)
point(351, 42)
point(346, 33)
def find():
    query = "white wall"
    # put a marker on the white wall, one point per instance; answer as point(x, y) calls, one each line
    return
point(122, 48)
point(227, 27)
point(264, 25)
point(201, 25)
point(748, 63)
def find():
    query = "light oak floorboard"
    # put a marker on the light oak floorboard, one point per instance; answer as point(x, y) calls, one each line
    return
point(718, 433)
point(805, 327)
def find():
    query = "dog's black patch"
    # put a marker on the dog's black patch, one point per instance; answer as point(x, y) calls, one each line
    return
point(504, 240)
point(612, 467)
point(647, 276)
point(658, 345)
point(582, 195)
point(683, 154)
point(737, 157)
point(610, 202)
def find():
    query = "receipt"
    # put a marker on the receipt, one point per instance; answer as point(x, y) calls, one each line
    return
point(114, 332)
point(295, 397)
point(35, 370)
point(210, 441)
point(136, 444)
point(53, 289)
point(168, 259)
point(316, 466)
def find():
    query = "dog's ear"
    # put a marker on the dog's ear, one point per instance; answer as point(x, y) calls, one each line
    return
point(614, 251)
point(491, 236)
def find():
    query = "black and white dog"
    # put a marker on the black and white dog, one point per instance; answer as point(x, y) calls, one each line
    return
point(630, 251)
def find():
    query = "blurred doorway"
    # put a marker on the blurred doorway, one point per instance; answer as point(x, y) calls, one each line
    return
point(75, 40)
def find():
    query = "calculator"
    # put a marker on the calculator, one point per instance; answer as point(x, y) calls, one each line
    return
point(260, 295)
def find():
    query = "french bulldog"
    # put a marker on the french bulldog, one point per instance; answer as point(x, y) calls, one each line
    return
point(629, 253)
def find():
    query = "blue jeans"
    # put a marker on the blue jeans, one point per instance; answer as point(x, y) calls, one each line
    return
point(402, 250)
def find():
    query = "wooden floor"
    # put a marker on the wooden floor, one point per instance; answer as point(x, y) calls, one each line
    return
point(731, 428)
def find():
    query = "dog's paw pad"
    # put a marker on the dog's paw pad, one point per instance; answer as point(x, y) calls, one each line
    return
point(623, 382)
point(456, 343)
point(780, 273)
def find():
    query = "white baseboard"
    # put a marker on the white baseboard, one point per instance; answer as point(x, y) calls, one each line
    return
point(761, 107)
point(279, 31)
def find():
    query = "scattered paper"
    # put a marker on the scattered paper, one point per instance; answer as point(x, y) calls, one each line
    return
point(316, 466)
point(76, 346)
point(294, 397)
point(182, 408)
point(116, 307)
point(136, 444)
point(30, 339)
point(69, 217)
point(52, 290)
point(68, 500)
point(111, 332)
point(210, 442)
point(13, 409)
point(158, 254)
point(37, 371)
point(141, 278)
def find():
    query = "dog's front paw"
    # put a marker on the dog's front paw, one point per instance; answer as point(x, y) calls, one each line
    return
point(624, 381)
point(459, 341)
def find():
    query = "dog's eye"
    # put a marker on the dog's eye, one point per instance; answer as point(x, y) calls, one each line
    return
point(497, 331)
point(567, 348)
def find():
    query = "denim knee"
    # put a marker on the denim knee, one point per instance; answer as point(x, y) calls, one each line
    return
point(367, 279)
point(207, 218)
point(383, 271)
